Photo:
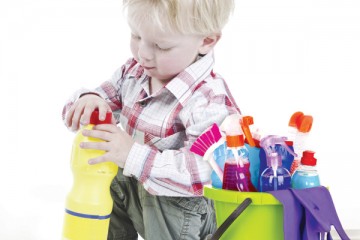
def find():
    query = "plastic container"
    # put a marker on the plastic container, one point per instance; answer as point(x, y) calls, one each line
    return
point(299, 128)
point(286, 157)
point(254, 159)
point(275, 178)
point(89, 203)
point(237, 166)
point(219, 157)
point(306, 176)
point(262, 220)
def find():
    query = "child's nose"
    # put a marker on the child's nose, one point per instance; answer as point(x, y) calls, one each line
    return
point(145, 52)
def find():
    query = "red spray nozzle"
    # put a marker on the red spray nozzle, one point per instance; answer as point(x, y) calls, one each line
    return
point(308, 158)
point(94, 119)
point(245, 122)
point(301, 122)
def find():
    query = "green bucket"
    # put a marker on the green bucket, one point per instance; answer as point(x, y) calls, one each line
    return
point(261, 220)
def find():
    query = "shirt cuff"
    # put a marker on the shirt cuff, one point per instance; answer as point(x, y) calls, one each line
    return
point(139, 161)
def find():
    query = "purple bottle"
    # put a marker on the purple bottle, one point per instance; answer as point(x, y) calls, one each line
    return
point(275, 176)
point(237, 167)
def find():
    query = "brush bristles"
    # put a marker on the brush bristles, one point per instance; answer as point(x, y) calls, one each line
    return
point(208, 138)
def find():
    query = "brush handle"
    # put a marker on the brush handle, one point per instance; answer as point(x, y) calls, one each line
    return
point(216, 168)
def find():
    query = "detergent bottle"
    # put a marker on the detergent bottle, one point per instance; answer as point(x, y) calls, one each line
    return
point(237, 174)
point(299, 128)
point(306, 175)
point(275, 176)
point(287, 158)
point(237, 166)
point(89, 203)
point(219, 155)
point(252, 143)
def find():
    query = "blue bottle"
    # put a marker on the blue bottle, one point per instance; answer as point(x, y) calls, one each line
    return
point(219, 157)
point(254, 159)
point(287, 157)
point(275, 176)
point(306, 175)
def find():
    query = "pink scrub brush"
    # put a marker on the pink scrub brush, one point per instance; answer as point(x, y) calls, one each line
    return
point(205, 145)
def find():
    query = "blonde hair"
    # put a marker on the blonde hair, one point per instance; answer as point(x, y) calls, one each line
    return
point(183, 16)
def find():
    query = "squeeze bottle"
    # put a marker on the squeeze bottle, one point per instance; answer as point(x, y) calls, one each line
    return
point(275, 177)
point(89, 203)
point(306, 175)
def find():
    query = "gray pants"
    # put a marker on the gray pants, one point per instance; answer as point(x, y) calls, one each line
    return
point(157, 217)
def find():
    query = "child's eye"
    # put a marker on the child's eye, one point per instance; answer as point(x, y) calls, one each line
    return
point(135, 37)
point(162, 49)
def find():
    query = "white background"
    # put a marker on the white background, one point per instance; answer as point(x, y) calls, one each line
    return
point(277, 56)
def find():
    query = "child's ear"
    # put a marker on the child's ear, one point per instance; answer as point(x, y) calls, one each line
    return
point(208, 43)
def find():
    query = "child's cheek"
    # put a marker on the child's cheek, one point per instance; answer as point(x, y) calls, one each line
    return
point(134, 49)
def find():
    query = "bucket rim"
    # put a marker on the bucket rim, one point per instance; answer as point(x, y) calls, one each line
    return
point(229, 196)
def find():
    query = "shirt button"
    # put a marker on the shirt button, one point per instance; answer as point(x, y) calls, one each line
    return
point(142, 103)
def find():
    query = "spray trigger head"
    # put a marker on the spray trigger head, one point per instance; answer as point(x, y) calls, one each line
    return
point(245, 121)
point(268, 144)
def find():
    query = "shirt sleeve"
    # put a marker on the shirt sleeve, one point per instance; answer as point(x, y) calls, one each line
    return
point(179, 172)
point(109, 90)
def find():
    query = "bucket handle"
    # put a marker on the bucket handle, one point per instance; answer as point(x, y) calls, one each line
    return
point(226, 224)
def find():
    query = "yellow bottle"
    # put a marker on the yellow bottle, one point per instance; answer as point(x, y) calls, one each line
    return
point(89, 203)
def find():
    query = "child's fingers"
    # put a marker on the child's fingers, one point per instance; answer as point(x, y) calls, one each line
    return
point(75, 120)
point(102, 112)
point(97, 160)
point(68, 117)
point(104, 146)
point(113, 120)
point(85, 118)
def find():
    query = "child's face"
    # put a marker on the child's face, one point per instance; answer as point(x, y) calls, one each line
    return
point(163, 55)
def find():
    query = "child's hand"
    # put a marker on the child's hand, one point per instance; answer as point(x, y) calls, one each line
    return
point(117, 144)
point(80, 112)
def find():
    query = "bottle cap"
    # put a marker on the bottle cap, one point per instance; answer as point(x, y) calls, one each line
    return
point(235, 141)
point(94, 119)
point(308, 158)
point(301, 122)
point(305, 124)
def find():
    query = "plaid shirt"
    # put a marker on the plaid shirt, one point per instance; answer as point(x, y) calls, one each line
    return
point(165, 124)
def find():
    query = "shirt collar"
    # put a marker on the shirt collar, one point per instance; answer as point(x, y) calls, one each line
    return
point(185, 82)
point(183, 85)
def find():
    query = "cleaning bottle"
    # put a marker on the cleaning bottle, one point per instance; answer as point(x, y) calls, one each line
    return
point(89, 203)
point(306, 175)
point(237, 166)
point(254, 157)
point(286, 157)
point(252, 141)
point(219, 156)
point(299, 128)
point(275, 176)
